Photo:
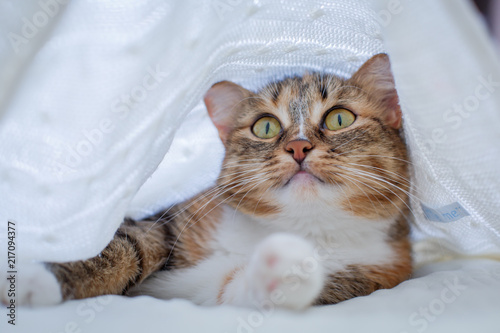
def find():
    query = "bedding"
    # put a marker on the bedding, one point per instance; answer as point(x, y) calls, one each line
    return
point(93, 93)
point(92, 98)
point(455, 296)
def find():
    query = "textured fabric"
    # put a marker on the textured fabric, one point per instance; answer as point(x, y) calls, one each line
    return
point(448, 297)
point(92, 97)
point(95, 94)
point(449, 89)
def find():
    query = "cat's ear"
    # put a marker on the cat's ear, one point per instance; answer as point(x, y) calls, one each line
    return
point(375, 76)
point(222, 101)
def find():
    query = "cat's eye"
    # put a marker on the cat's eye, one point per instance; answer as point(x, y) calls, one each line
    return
point(266, 128)
point(338, 119)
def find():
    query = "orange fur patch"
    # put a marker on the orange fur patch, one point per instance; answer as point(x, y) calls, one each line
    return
point(227, 280)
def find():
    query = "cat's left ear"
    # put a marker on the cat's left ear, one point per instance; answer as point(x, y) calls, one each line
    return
point(223, 101)
point(375, 76)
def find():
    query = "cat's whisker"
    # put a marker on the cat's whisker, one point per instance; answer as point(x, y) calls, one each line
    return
point(376, 177)
point(238, 205)
point(366, 195)
point(230, 197)
point(203, 235)
point(220, 189)
point(401, 177)
point(343, 191)
point(242, 185)
point(160, 218)
point(405, 186)
point(380, 177)
point(377, 191)
point(200, 198)
point(188, 222)
point(242, 162)
point(387, 188)
point(264, 178)
point(383, 156)
point(240, 167)
point(186, 207)
point(261, 197)
point(191, 216)
point(232, 168)
point(240, 171)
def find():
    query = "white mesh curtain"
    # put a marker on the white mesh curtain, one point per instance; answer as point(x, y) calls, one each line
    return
point(92, 93)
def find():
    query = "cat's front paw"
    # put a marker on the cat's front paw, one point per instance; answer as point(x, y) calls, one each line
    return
point(283, 270)
point(32, 285)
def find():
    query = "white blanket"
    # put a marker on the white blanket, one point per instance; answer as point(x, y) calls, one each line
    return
point(91, 95)
point(453, 297)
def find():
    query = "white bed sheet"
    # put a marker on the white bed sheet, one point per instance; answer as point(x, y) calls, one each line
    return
point(427, 303)
point(64, 88)
point(455, 296)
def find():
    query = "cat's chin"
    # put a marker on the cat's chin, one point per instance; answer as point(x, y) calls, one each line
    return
point(303, 179)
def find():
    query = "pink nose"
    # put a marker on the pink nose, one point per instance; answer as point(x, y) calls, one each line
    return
point(299, 149)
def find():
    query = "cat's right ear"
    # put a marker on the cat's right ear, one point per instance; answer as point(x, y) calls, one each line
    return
point(375, 76)
point(222, 104)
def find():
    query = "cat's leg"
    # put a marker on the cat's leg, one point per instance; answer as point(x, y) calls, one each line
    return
point(283, 271)
point(33, 285)
point(362, 280)
point(136, 251)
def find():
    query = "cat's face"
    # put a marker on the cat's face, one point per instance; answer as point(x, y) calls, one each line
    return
point(317, 138)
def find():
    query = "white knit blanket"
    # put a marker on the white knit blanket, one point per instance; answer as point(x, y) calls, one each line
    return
point(93, 92)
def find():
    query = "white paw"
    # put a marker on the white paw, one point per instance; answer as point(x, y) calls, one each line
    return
point(283, 270)
point(32, 285)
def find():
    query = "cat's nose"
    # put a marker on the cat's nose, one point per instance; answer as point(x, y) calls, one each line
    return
point(299, 149)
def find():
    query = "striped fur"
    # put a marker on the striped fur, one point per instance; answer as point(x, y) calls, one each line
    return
point(353, 198)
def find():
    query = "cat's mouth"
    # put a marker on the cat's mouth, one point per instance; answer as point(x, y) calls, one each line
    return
point(303, 176)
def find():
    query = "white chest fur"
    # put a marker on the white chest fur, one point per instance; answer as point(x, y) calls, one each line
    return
point(338, 240)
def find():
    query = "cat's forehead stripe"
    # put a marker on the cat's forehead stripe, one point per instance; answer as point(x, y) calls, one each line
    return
point(301, 136)
point(323, 89)
point(300, 103)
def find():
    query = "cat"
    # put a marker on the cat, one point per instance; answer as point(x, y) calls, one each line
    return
point(310, 207)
